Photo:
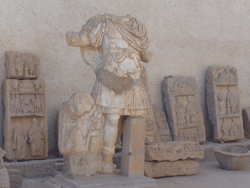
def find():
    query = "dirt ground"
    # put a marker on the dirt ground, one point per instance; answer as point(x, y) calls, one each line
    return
point(210, 175)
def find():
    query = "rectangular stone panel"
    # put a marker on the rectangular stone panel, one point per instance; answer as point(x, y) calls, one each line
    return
point(25, 122)
point(173, 151)
point(22, 65)
point(223, 103)
point(167, 168)
point(183, 109)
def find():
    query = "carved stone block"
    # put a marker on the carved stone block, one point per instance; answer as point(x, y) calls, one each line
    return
point(167, 168)
point(246, 121)
point(223, 103)
point(173, 151)
point(132, 163)
point(183, 109)
point(25, 122)
point(22, 65)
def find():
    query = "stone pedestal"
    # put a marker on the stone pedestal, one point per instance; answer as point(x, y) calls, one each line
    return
point(133, 147)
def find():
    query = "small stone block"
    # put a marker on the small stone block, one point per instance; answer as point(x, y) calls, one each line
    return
point(15, 178)
point(167, 168)
point(173, 151)
point(132, 165)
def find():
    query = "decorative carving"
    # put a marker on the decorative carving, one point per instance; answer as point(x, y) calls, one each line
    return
point(115, 48)
point(25, 121)
point(223, 103)
point(22, 66)
point(183, 108)
point(173, 151)
point(36, 139)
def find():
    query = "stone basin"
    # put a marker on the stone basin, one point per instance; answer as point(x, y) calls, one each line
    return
point(231, 158)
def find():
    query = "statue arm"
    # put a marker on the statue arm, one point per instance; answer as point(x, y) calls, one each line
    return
point(79, 39)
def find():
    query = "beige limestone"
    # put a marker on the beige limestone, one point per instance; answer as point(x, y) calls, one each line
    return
point(21, 65)
point(182, 104)
point(167, 168)
point(173, 151)
point(231, 158)
point(4, 176)
point(223, 103)
point(132, 161)
point(25, 123)
point(246, 122)
point(15, 177)
point(115, 47)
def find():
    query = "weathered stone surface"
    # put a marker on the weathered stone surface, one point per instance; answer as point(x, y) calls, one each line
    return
point(223, 103)
point(246, 121)
point(173, 151)
point(4, 176)
point(231, 158)
point(132, 162)
point(101, 181)
point(80, 135)
point(15, 178)
point(167, 168)
point(25, 123)
point(22, 65)
point(183, 108)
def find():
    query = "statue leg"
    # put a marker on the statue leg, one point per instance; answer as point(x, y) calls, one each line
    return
point(109, 139)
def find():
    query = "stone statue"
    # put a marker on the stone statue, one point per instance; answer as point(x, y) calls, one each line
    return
point(115, 48)
point(180, 112)
point(224, 128)
point(192, 111)
point(36, 139)
point(234, 127)
point(221, 103)
point(19, 142)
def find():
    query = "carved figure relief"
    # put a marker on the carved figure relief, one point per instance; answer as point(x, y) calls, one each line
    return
point(19, 141)
point(25, 125)
point(183, 109)
point(36, 139)
point(223, 103)
point(22, 66)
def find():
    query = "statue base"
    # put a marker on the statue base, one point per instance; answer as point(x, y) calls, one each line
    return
point(100, 181)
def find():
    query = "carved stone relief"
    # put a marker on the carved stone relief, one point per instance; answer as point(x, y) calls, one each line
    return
point(183, 109)
point(223, 103)
point(21, 65)
point(25, 122)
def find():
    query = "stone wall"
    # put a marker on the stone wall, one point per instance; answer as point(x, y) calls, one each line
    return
point(187, 36)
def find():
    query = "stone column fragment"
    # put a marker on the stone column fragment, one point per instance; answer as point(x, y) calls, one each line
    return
point(223, 103)
point(132, 163)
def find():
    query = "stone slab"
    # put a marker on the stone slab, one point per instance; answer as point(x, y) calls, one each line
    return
point(101, 181)
point(168, 168)
point(223, 103)
point(25, 125)
point(22, 65)
point(183, 109)
point(173, 151)
point(35, 168)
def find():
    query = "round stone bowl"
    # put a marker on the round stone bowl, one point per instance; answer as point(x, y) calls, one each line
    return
point(231, 158)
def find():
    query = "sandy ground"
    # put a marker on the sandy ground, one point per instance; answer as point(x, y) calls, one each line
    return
point(210, 175)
